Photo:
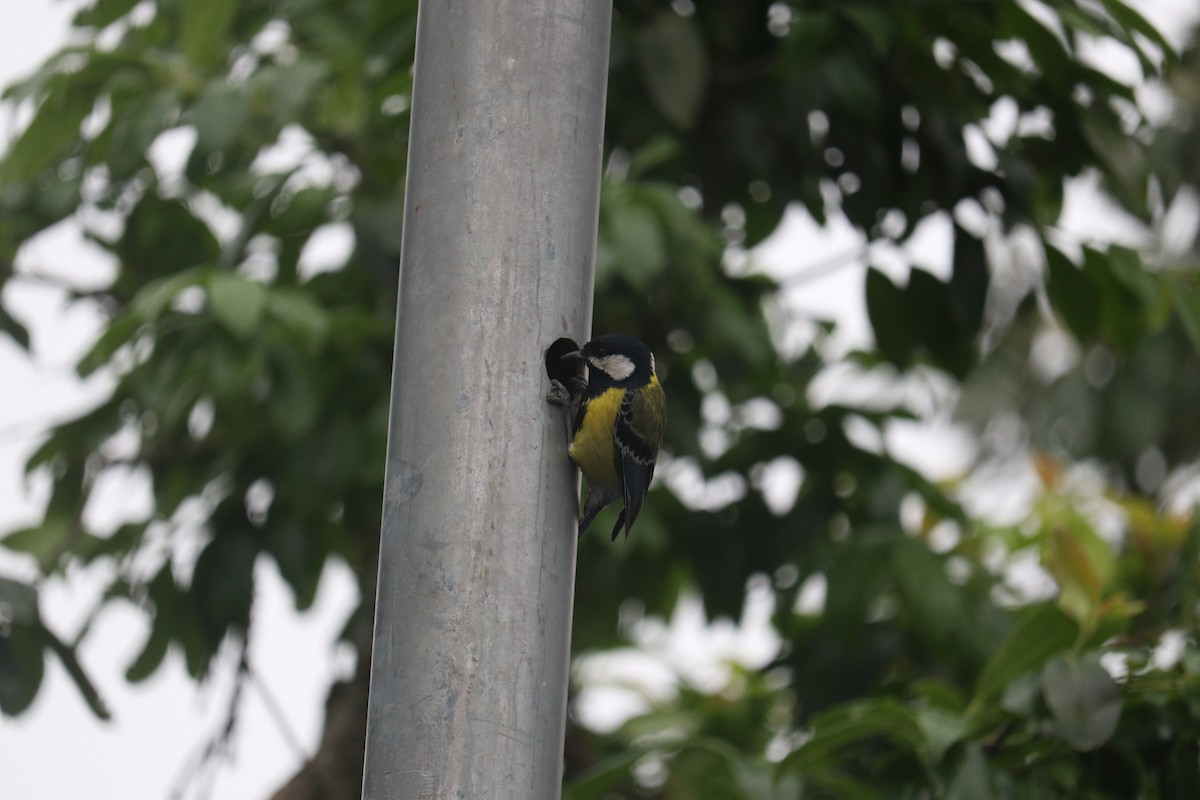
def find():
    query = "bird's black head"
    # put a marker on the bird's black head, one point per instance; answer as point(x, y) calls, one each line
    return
point(618, 360)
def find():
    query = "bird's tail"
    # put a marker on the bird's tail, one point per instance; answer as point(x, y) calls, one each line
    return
point(589, 514)
point(619, 525)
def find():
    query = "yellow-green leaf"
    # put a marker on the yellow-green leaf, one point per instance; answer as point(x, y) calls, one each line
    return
point(236, 302)
point(205, 24)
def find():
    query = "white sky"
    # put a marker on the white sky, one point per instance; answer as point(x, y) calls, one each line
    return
point(59, 750)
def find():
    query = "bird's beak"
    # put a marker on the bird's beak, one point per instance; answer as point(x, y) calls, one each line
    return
point(575, 356)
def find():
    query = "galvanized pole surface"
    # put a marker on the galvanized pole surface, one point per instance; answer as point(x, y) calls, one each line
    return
point(477, 560)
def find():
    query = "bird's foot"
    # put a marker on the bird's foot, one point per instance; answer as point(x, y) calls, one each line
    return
point(566, 394)
point(559, 394)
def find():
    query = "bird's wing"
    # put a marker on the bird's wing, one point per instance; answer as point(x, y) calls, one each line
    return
point(638, 432)
point(577, 421)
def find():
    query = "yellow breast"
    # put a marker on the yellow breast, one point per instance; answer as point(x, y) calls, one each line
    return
point(592, 449)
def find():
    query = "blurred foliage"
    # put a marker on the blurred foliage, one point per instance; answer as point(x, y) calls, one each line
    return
point(250, 387)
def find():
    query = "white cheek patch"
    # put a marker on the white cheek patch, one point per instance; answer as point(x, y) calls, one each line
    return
point(617, 367)
point(652, 369)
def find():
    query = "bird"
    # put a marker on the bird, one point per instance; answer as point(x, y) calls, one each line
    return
point(618, 424)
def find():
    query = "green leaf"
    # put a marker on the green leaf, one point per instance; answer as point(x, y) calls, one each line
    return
point(163, 238)
point(1083, 22)
point(933, 600)
point(151, 656)
point(1073, 296)
point(22, 645)
point(1045, 47)
point(876, 24)
point(20, 602)
point(237, 303)
point(1131, 20)
point(1084, 700)
point(22, 665)
point(1020, 697)
point(204, 28)
point(674, 67)
point(654, 154)
point(103, 13)
point(938, 693)
point(219, 115)
point(285, 90)
point(855, 724)
point(49, 137)
point(1126, 266)
point(299, 315)
point(968, 286)
point(1123, 160)
point(941, 730)
point(9, 325)
point(641, 251)
point(228, 374)
point(1180, 776)
point(887, 309)
point(298, 396)
point(974, 779)
point(223, 579)
point(762, 219)
point(150, 301)
point(1122, 311)
point(853, 85)
point(602, 778)
point(170, 621)
point(80, 435)
point(299, 556)
point(344, 107)
point(297, 216)
point(120, 332)
point(1046, 198)
point(932, 315)
point(854, 579)
point(1081, 562)
point(1187, 306)
point(1041, 633)
point(45, 542)
point(934, 497)
point(832, 782)
point(707, 766)
point(124, 540)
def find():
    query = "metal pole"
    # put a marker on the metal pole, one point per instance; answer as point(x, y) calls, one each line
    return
point(477, 559)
